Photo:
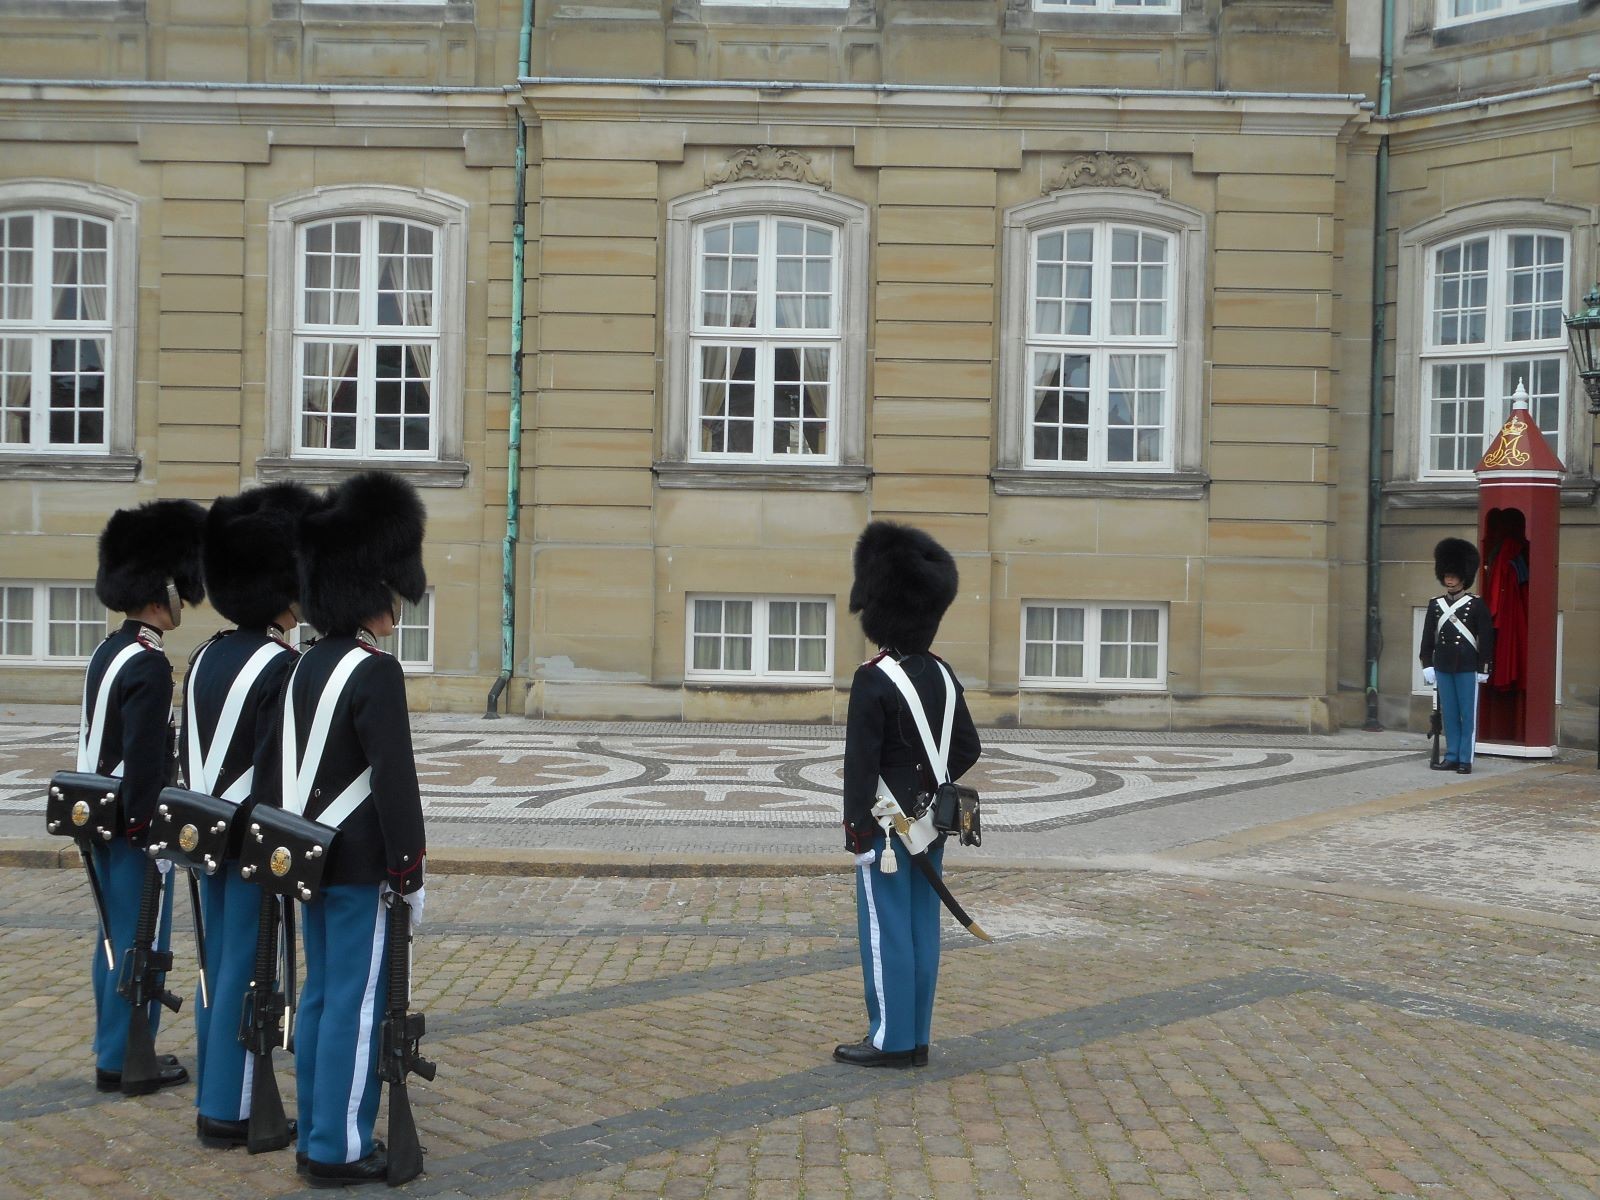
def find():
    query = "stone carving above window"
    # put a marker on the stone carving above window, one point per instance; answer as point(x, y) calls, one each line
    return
point(1103, 169)
point(767, 162)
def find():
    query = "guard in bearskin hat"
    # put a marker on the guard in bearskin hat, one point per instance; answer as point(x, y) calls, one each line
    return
point(1457, 650)
point(360, 553)
point(232, 690)
point(904, 582)
point(149, 568)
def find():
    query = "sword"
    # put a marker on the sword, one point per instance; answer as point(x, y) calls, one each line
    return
point(917, 836)
point(199, 935)
point(99, 905)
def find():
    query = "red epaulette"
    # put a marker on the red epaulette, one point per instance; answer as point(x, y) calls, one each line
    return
point(150, 640)
point(876, 659)
point(370, 649)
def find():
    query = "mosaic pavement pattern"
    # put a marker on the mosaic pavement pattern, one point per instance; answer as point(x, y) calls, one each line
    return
point(774, 782)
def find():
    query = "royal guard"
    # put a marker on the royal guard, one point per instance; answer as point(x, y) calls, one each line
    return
point(904, 582)
point(232, 690)
point(149, 569)
point(347, 764)
point(1457, 650)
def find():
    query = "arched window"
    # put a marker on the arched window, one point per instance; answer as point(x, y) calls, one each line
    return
point(68, 293)
point(765, 351)
point(1102, 338)
point(366, 334)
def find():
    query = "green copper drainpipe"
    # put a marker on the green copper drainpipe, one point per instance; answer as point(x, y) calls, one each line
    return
point(1380, 312)
point(508, 562)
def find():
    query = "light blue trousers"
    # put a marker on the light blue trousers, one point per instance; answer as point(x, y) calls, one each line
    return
point(120, 869)
point(897, 920)
point(1458, 713)
point(341, 1014)
point(233, 913)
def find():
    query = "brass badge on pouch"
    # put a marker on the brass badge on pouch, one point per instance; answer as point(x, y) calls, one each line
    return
point(188, 838)
point(80, 813)
point(280, 861)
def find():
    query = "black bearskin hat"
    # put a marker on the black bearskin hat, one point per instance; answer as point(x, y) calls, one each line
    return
point(359, 544)
point(1458, 557)
point(141, 548)
point(904, 583)
point(249, 553)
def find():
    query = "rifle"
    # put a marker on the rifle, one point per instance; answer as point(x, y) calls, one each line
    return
point(398, 1047)
point(262, 1029)
point(1435, 728)
point(143, 982)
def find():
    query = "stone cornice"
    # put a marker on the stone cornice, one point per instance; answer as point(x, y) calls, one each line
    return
point(226, 104)
point(649, 101)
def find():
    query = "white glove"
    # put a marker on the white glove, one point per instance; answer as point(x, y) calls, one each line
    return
point(163, 865)
point(414, 902)
point(1481, 676)
point(866, 859)
point(1428, 676)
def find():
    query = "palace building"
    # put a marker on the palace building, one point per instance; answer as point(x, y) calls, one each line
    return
point(660, 301)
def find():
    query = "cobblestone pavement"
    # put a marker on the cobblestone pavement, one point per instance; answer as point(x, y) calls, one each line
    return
point(1281, 967)
point(1333, 1015)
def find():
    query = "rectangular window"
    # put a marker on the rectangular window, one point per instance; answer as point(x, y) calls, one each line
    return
point(765, 341)
point(1074, 644)
point(366, 339)
point(50, 622)
point(1494, 321)
point(1148, 7)
point(411, 642)
point(1101, 348)
point(412, 639)
point(1460, 12)
point(774, 639)
point(55, 330)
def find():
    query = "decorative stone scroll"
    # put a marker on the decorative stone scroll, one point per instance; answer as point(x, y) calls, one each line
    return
point(767, 162)
point(1102, 169)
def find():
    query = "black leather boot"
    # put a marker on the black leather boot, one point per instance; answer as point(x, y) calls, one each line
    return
point(374, 1168)
point(865, 1054)
point(919, 1057)
point(172, 1073)
point(212, 1131)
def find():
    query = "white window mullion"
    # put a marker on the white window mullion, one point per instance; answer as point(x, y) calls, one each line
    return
point(1099, 409)
point(366, 393)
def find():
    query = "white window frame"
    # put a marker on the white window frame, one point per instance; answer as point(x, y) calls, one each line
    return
point(40, 621)
point(112, 458)
point(681, 464)
point(392, 643)
point(365, 335)
point(1100, 345)
point(765, 338)
point(1159, 8)
point(1181, 476)
point(1419, 686)
point(1092, 679)
point(1494, 352)
point(303, 632)
point(1501, 8)
point(775, 3)
point(1409, 486)
point(444, 464)
point(760, 671)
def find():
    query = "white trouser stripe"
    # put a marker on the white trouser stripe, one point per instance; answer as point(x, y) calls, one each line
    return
point(358, 1078)
point(244, 1090)
point(876, 945)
